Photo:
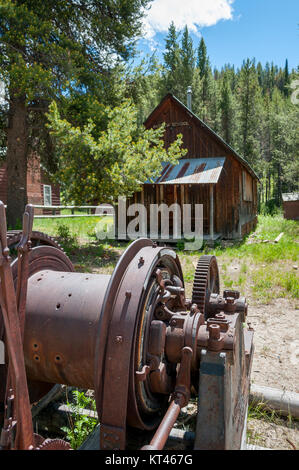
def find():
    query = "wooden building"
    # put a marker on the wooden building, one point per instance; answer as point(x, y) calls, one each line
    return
point(40, 189)
point(211, 173)
point(290, 202)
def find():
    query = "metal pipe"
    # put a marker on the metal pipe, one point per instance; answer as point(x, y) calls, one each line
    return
point(283, 401)
point(189, 98)
point(161, 435)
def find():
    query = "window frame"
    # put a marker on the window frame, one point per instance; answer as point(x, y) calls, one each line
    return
point(50, 194)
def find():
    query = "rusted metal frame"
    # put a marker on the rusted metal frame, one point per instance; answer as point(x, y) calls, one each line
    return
point(223, 395)
point(210, 426)
point(20, 419)
point(23, 250)
point(119, 350)
point(119, 366)
point(23, 264)
point(118, 435)
point(180, 399)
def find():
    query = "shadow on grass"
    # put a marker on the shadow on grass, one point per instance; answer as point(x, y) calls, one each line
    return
point(93, 254)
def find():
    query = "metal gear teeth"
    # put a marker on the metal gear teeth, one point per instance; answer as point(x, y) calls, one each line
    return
point(14, 236)
point(54, 444)
point(201, 279)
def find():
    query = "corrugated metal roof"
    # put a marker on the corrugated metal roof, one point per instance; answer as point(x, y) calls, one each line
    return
point(192, 170)
point(290, 197)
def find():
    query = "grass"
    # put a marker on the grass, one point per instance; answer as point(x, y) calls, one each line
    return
point(81, 227)
point(262, 271)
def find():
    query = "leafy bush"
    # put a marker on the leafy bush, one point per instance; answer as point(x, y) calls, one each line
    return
point(80, 425)
point(68, 240)
point(269, 208)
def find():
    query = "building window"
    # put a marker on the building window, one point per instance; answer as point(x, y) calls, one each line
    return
point(247, 187)
point(47, 195)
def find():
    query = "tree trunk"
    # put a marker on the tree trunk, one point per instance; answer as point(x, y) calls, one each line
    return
point(17, 142)
point(278, 197)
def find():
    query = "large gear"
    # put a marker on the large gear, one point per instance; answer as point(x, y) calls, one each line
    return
point(206, 281)
point(37, 238)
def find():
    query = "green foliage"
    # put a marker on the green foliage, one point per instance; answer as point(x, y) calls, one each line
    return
point(68, 240)
point(48, 47)
point(103, 165)
point(80, 426)
point(269, 207)
point(180, 245)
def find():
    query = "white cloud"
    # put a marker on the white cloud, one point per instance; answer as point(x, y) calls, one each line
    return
point(193, 13)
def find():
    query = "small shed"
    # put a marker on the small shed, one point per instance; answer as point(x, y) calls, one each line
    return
point(40, 189)
point(211, 173)
point(290, 202)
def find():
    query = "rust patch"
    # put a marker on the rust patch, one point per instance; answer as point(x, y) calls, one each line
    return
point(183, 170)
point(167, 174)
point(200, 168)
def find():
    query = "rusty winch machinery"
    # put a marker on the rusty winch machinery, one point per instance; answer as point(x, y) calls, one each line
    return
point(133, 337)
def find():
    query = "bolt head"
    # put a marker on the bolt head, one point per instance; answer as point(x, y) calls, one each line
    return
point(214, 331)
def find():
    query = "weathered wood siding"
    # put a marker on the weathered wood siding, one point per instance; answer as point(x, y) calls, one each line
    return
point(235, 194)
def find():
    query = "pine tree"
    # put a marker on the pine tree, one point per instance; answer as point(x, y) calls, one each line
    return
point(48, 49)
point(249, 103)
point(187, 61)
point(172, 61)
point(286, 80)
point(227, 110)
point(203, 62)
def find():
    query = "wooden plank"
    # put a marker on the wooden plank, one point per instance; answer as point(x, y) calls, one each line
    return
point(212, 212)
point(55, 393)
point(279, 237)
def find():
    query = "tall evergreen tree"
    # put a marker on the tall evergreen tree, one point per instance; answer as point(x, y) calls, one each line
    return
point(172, 61)
point(249, 104)
point(227, 110)
point(286, 80)
point(187, 62)
point(203, 62)
point(46, 49)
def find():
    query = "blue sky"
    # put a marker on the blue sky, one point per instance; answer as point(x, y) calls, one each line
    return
point(232, 29)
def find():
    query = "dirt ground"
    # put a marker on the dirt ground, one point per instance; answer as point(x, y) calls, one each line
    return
point(275, 364)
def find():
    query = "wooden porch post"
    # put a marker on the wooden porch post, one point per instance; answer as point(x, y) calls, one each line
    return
point(142, 195)
point(161, 202)
point(212, 211)
point(175, 193)
point(182, 206)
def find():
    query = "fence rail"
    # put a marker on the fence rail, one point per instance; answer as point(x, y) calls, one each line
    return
point(55, 209)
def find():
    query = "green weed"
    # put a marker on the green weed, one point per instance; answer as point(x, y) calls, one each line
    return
point(80, 426)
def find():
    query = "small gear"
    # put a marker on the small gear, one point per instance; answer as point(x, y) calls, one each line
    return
point(54, 444)
point(206, 281)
